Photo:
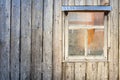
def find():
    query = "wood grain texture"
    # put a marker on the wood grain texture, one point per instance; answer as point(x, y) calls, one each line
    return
point(4, 39)
point(70, 71)
point(92, 70)
point(80, 69)
point(25, 39)
point(113, 55)
point(15, 39)
point(47, 40)
point(57, 41)
point(37, 27)
point(102, 73)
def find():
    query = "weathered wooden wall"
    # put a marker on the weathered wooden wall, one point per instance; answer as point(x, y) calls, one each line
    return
point(31, 42)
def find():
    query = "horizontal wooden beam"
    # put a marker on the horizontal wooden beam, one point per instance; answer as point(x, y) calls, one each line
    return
point(87, 8)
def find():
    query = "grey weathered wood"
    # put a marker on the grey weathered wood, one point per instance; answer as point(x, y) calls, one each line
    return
point(15, 39)
point(80, 69)
point(70, 71)
point(57, 38)
point(91, 71)
point(102, 72)
point(113, 55)
point(37, 26)
point(47, 40)
point(25, 39)
point(4, 39)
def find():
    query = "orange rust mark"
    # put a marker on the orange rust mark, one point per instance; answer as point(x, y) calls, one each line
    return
point(91, 33)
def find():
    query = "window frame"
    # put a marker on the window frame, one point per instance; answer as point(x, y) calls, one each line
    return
point(66, 56)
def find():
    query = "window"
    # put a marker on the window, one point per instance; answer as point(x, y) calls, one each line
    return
point(85, 35)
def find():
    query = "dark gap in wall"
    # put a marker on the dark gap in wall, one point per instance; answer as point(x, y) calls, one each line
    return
point(42, 28)
point(41, 76)
point(42, 39)
point(10, 39)
point(20, 42)
point(31, 75)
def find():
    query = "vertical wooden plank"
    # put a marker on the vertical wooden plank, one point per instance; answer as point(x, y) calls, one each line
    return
point(102, 73)
point(113, 55)
point(92, 70)
point(15, 39)
point(47, 40)
point(37, 26)
point(80, 71)
point(4, 39)
point(25, 39)
point(57, 38)
point(70, 71)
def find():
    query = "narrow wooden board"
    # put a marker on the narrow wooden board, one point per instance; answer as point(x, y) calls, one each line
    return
point(37, 27)
point(92, 70)
point(80, 69)
point(47, 39)
point(4, 39)
point(70, 71)
point(15, 39)
point(113, 55)
point(102, 73)
point(57, 41)
point(25, 39)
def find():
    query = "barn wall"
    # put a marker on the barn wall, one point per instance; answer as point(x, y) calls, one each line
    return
point(26, 39)
point(31, 42)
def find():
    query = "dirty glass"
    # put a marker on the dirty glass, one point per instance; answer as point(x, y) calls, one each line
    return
point(85, 33)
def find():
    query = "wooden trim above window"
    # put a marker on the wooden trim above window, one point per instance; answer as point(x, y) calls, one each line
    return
point(87, 8)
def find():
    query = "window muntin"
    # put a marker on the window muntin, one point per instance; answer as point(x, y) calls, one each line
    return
point(85, 34)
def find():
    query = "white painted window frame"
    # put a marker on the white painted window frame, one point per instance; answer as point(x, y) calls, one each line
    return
point(66, 56)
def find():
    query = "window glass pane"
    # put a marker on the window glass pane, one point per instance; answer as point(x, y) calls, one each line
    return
point(95, 41)
point(85, 33)
point(76, 42)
